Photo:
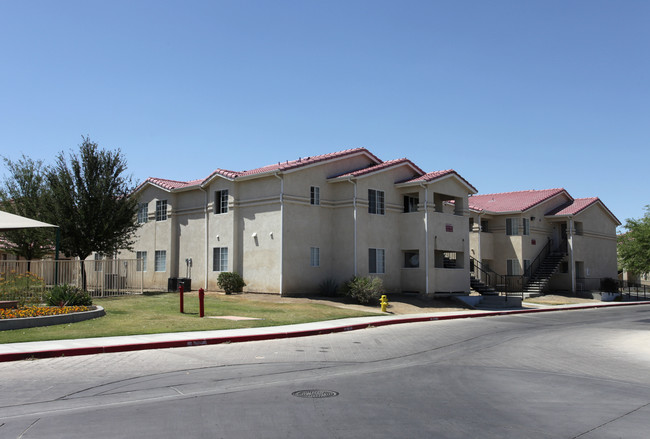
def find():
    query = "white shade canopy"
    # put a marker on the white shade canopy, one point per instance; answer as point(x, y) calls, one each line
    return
point(9, 221)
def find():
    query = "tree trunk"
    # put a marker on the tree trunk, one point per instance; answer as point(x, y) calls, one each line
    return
point(83, 275)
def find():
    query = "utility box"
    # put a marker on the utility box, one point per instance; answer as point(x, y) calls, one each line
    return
point(186, 282)
point(172, 284)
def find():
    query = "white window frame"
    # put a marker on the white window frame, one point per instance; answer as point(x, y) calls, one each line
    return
point(160, 261)
point(143, 213)
point(512, 226)
point(513, 268)
point(220, 259)
point(99, 264)
point(314, 256)
point(314, 195)
point(376, 200)
point(221, 201)
point(376, 261)
point(161, 210)
point(526, 228)
point(141, 263)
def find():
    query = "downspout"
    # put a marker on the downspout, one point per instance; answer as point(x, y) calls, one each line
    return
point(207, 250)
point(281, 231)
point(426, 238)
point(571, 261)
point(354, 209)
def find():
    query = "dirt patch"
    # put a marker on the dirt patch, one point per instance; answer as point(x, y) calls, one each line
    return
point(555, 299)
point(398, 303)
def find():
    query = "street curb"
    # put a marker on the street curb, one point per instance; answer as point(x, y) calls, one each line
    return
point(199, 341)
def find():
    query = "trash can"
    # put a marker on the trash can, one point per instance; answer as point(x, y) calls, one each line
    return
point(172, 284)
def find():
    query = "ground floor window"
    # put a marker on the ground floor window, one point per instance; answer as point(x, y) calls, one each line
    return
point(512, 267)
point(220, 259)
point(314, 256)
point(411, 258)
point(141, 264)
point(376, 261)
point(161, 260)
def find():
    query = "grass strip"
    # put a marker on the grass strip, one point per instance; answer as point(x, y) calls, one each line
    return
point(153, 314)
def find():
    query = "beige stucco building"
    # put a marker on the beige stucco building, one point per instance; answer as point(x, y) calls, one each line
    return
point(289, 227)
point(513, 233)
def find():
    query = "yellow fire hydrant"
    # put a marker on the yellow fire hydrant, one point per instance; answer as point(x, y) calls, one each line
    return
point(384, 303)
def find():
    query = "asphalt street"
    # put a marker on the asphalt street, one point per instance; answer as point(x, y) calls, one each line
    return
point(570, 374)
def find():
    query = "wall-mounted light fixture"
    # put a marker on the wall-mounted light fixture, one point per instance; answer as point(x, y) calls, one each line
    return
point(254, 235)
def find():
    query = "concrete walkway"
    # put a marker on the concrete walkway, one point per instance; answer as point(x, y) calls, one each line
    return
point(99, 345)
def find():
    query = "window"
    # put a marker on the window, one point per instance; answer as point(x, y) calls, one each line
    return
point(512, 226)
point(375, 201)
point(221, 201)
point(471, 224)
point(314, 196)
point(99, 266)
point(314, 258)
point(376, 261)
point(411, 259)
point(161, 210)
point(143, 213)
point(484, 226)
point(141, 264)
point(512, 268)
point(411, 203)
point(161, 260)
point(526, 226)
point(220, 259)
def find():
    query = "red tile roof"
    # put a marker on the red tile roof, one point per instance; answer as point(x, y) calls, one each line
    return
point(172, 184)
point(439, 174)
point(379, 167)
point(574, 207)
point(512, 201)
point(578, 205)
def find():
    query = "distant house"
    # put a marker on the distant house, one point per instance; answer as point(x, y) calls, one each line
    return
point(545, 239)
point(291, 226)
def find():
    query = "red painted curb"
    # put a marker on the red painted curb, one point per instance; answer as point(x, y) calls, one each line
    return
point(71, 352)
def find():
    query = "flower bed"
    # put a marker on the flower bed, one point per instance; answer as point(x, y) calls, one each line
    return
point(39, 311)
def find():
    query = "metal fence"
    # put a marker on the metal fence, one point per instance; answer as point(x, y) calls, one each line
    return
point(104, 278)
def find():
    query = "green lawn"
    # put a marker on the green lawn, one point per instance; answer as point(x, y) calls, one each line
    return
point(150, 314)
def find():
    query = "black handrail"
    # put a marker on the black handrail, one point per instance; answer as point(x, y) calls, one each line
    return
point(488, 276)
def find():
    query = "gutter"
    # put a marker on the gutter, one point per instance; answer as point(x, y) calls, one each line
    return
point(426, 237)
point(354, 207)
point(276, 174)
point(207, 249)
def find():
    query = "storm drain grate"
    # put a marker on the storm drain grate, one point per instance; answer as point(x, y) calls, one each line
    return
point(315, 393)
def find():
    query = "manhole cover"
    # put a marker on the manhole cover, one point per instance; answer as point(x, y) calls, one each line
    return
point(315, 393)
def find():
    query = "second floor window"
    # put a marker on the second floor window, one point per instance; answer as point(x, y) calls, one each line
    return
point(221, 201)
point(375, 201)
point(410, 203)
point(143, 213)
point(314, 197)
point(512, 226)
point(161, 210)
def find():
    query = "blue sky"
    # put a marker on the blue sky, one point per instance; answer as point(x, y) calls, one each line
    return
point(513, 95)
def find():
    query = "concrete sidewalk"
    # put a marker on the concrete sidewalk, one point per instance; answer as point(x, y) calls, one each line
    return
point(99, 345)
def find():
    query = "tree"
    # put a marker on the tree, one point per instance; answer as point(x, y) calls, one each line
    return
point(90, 201)
point(24, 193)
point(634, 245)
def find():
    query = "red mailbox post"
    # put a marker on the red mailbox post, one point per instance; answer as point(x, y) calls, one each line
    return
point(180, 291)
point(201, 297)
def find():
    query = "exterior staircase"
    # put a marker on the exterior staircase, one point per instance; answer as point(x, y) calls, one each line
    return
point(481, 288)
point(540, 279)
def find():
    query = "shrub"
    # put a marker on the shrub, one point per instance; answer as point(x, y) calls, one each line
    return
point(68, 295)
point(365, 289)
point(230, 282)
point(329, 288)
